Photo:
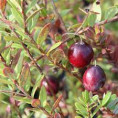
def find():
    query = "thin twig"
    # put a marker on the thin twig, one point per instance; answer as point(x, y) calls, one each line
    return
point(5, 91)
point(36, 59)
point(21, 89)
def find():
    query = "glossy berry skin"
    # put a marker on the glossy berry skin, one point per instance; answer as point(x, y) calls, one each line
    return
point(94, 78)
point(53, 85)
point(80, 54)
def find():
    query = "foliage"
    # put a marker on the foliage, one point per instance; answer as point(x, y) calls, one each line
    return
point(35, 36)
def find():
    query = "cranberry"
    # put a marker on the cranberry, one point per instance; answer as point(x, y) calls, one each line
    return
point(51, 86)
point(80, 54)
point(94, 78)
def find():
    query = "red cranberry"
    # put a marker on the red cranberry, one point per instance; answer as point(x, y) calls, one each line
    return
point(94, 78)
point(80, 54)
point(51, 86)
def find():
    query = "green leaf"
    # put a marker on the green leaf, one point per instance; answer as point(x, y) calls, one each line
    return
point(17, 14)
point(96, 110)
point(37, 84)
point(18, 66)
point(32, 23)
point(111, 12)
point(97, 8)
point(3, 80)
point(94, 98)
point(43, 11)
point(12, 38)
point(23, 99)
point(85, 22)
point(81, 109)
point(43, 34)
point(81, 101)
point(32, 15)
point(16, 4)
point(8, 57)
point(113, 97)
point(89, 20)
point(25, 77)
point(112, 103)
point(29, 44)
point(48, 108)
point(106, 98)
point(75, 26)
point(2, 43)
point(43, 96)
point(20, 32)
point(85, 95)
point(92, 19)
point(53, 47)
point(17, 46)
point(65, 12)
point(31, 5)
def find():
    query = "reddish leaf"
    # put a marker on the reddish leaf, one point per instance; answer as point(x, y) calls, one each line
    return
point(8, 71)
point(43, 33)
point(57, 55)
point(35, 103)
point(16, 57)
point(2, 4)
point(25, 77)
point(108, 40)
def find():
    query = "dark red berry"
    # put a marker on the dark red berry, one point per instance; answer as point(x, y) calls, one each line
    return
point(51, 85)
point(80, 54)
point(94, 78)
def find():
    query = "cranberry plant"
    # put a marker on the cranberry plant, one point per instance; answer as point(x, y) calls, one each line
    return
point(58, 59)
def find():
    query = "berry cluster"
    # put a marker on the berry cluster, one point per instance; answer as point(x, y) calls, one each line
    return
point(80, 55)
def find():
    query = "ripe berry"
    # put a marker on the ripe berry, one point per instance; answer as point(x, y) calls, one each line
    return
point(94, 78)
point(80, 54)
point(51, 86)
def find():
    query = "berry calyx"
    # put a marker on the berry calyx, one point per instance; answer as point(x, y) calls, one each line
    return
point(51, 85)
point(80, 54)
point(94, 78)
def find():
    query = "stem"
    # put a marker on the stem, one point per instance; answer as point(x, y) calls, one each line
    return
point(21, 89)
point(5, 91)
point(36, 59)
